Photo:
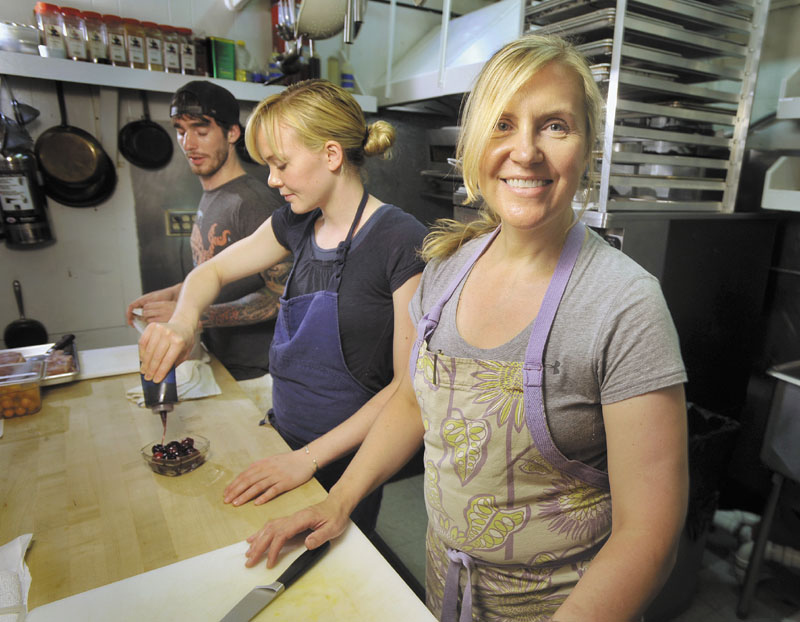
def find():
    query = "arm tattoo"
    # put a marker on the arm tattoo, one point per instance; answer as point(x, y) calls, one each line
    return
point(255, 307)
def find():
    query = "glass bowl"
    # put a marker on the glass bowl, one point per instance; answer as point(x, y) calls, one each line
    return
point(192, 455)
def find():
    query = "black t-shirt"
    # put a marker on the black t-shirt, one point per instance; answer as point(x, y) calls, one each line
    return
point(382, 257)
point(226, 215)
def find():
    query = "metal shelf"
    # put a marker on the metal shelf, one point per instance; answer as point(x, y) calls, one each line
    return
point(31, 66)
point(679, 77)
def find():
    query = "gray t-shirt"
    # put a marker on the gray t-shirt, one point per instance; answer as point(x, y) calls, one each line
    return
point(612, 338)
point(226, 215)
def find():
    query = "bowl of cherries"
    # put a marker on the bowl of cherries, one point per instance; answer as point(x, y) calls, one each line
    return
point(176, 457)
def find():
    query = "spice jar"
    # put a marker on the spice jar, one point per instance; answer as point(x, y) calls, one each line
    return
point(116, 40)
point(154, 44)
point(202, 55)
point(134, 43)
point(51, 26)
point(172, 49)
point(188, 66)
point(75, 38)
point(97, 36)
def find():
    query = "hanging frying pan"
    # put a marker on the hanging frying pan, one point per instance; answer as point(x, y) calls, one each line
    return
point(24, 331)
point(145, 143)
point(76, 170)
point(85, 195)
point(69, 155)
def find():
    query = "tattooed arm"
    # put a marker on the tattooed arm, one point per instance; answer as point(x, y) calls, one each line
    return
point(257, 306)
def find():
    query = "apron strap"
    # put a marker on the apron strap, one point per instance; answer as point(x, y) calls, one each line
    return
point(344, 246)
point(533, 368)
point(458, 559)
point(430, 320)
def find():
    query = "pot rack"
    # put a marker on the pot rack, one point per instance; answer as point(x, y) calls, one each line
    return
point(679, 78)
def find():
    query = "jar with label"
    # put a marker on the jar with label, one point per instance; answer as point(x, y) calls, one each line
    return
point(202, 56)
point(134, 43)
point(187, 51)
point(242, 62)
point(51, 26)
point(172, 49)
point(97, 36)
point(75, 38)
point(116, 40)
point(154, 43)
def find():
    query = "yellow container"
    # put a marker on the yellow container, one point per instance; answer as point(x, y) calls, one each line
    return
point(19, 388)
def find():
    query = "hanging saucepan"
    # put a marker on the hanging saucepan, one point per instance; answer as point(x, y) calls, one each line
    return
point(76, 169)
point(24, 331)
point(145, 143)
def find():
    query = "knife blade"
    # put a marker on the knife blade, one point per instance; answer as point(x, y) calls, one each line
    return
point(261, 595)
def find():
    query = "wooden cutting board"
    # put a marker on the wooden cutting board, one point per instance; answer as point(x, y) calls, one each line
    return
point(352, 582)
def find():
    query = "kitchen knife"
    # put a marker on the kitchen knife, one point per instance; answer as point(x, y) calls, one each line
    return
point(261, 595)
point(58, 345)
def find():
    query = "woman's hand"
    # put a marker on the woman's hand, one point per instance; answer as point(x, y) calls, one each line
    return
point(327, 520)
point(265, 479)
point(162, 346)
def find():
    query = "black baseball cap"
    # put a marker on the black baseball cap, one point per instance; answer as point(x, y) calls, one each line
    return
point(204, 98)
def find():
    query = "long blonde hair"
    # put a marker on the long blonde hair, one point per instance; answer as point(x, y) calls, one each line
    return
point(319, 111)
point(502, 76)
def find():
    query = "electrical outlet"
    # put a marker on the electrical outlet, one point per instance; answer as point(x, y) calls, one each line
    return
point(180, 222)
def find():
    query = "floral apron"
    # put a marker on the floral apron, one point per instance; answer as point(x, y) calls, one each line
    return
point(520, 518)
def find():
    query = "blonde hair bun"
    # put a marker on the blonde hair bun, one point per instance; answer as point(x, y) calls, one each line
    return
point(380, 138)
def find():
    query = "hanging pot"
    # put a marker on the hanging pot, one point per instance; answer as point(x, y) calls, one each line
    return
point(145, 143)
point(86, 195)
point(24, 331)
point(70, 155)
point(76, 170)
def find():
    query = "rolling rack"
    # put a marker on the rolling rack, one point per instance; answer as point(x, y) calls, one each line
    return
point(679, 78)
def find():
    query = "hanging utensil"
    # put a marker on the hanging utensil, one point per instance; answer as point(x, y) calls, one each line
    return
point(23, 113)
point(76, 169)
point(145, 143)
point(67, 154)
point(24, 331)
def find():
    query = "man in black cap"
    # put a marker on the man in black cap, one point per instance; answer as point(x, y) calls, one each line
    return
point(238, 327)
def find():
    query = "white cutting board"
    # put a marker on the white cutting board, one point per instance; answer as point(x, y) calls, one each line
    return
point(102, 362)
point(352, 582)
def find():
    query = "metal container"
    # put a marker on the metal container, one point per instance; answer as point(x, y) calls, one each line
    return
point(24, 205)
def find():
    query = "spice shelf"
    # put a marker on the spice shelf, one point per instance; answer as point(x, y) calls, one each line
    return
point(31, 66)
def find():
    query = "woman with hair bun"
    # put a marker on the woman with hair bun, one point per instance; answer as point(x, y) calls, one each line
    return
point(343, 334)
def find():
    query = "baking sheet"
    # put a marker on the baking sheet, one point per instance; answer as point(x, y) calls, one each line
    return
point(42, 348)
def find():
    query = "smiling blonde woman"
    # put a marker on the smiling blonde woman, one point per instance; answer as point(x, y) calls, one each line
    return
point(546, 381)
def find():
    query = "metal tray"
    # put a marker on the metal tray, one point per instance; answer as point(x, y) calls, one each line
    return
point(29, 351)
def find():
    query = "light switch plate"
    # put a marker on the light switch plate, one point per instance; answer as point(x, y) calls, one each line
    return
point(179, 222)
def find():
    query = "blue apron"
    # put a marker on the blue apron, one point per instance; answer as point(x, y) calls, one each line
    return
point(313, 390)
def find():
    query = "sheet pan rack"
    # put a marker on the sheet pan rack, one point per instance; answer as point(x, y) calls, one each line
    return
point(679, 77)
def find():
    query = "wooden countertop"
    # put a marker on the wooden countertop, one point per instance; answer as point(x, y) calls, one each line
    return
point(74, 478)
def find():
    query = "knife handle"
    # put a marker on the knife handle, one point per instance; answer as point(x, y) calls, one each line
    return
point(62, 343)
point(301, 564)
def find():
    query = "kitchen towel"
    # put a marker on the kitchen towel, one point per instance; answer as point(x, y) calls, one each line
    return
point(195, 379)
point(15, 579)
